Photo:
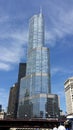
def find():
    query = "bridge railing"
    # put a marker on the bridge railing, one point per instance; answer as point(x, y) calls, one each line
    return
point(31, 123)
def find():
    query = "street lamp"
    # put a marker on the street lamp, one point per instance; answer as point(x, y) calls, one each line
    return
point(46, 114)
point(25, 115)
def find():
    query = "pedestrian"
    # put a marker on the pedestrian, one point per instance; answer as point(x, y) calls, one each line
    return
point(55, 127)
point(67, 127)
point(61, 127)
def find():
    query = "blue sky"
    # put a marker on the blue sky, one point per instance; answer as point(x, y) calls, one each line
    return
point(14, 20)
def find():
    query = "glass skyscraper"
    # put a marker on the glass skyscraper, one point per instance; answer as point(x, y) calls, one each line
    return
point(35, 86)
point(38, 67)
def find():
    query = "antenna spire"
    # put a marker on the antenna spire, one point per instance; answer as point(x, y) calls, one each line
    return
point(40, 10)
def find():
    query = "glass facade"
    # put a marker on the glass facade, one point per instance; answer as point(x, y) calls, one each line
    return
point(35, 86)
point(36, 32)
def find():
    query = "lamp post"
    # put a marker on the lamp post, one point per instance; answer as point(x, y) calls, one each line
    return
point(25, 115)
point(46, 114)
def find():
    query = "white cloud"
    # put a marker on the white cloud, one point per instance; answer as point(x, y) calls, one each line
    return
point(55, 70)
point(11, 54)
point(61, 25)
point(61, 70)
point(12, 47)
point(4, 66)
point(61, 18)
point(64, 23)
point(19, 35)
point(50, 38)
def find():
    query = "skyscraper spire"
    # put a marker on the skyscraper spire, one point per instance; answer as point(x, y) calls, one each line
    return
point(40, 10)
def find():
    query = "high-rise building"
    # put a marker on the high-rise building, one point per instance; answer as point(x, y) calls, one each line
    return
point(14, 92)
point(35, 86)
point(21, 73)
point(38, 62)
point(69, 95)
point(12, 103)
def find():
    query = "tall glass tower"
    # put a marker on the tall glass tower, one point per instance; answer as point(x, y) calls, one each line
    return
point(35, 86)
point(38, 66)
